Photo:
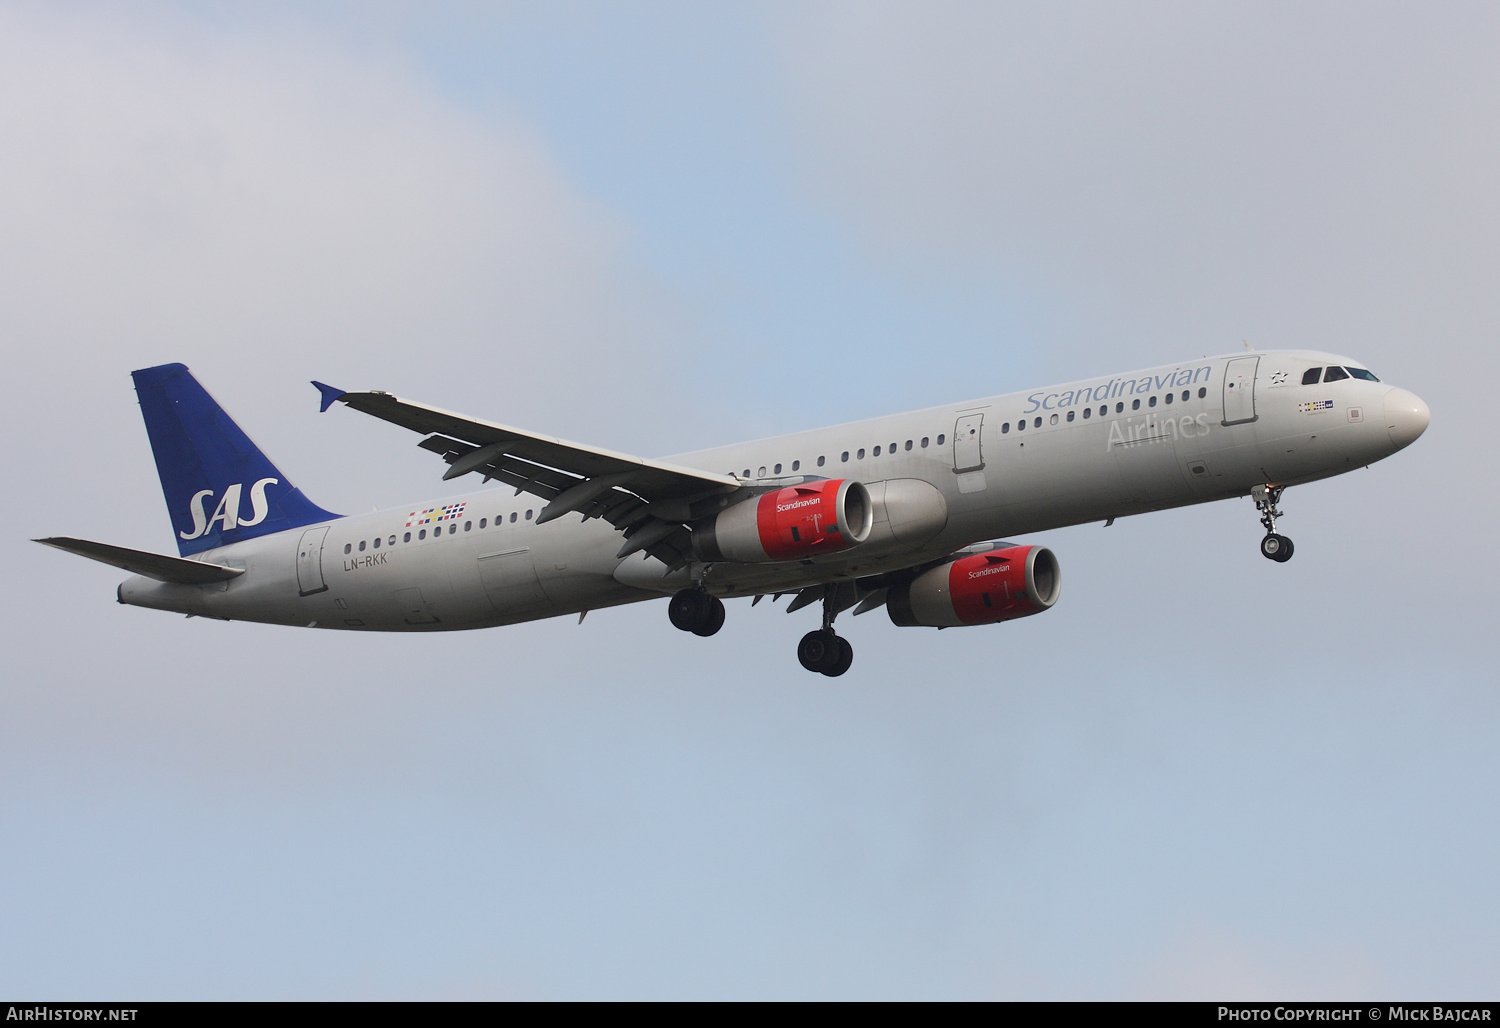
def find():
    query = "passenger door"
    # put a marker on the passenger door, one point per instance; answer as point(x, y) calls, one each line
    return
point(1239, 390)
point(310, 562)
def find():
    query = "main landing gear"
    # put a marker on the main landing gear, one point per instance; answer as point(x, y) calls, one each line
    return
point(696, 611)
point(823, 651)
point(1273, 547)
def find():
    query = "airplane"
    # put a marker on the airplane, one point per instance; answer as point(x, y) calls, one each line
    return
point(910, 512)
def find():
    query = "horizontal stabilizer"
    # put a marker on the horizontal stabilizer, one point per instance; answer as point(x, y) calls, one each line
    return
point(152, 565)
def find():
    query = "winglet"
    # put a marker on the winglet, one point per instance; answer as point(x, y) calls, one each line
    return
point(330, 394)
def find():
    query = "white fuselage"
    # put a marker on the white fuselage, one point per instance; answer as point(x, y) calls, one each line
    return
point(1102, 448)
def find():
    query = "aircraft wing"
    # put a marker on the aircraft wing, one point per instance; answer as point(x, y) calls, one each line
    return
point(648, 500)
point(141, 562)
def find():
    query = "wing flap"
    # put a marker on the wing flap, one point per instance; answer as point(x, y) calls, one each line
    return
point(141, 562)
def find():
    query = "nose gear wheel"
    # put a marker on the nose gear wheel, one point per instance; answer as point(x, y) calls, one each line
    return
point(1273, 547)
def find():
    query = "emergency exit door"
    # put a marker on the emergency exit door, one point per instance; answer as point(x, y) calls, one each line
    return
point(967, 443)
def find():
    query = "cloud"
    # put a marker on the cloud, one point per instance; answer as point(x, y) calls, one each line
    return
point(269, 205)
point(1184, 174)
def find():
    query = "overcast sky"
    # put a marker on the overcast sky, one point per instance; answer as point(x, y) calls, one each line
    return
point(659, 227)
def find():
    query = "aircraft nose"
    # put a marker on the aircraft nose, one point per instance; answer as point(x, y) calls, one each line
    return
point(1406, 417)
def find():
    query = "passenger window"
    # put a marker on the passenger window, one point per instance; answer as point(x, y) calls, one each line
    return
point(1170, 397)
point(1202, 392)
point(1135, 404)
point(908, 445)
point(924, 442)
point(468, 525)
point(746, 474)
point(1021, 425)
point(1005, 428)
point(1361, 373)
point(877, 451)
point(1185, 395)
point(762, 472)
point(512, 517)
point(406, 538)
point(376, 544)
point(1335, 375)
point(845, 457)
point(1071, 415)
point(1088, 412)
point(1311, 375)
point(778, 469)
point(891, 448)
point(796, 464)
point(528, 515)
point(1054, 419)
point(422, 534)
point(1037, 423)
point(453, 528)
point(861, 454)
point(940, 440)
point(1120, 407)
point(361, 546)
point(483, 522)
point(1152, 403)
point(820, 462)
point(348, 547)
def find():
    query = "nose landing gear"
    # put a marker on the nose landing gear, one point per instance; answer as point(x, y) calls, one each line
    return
point(696, 611)
point(823, 651)
point(1273, 547)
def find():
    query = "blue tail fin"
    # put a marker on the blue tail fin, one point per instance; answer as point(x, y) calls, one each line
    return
point(220, 488)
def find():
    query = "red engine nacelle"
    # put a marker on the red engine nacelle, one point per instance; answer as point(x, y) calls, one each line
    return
point(797, 522)
point(980, 589)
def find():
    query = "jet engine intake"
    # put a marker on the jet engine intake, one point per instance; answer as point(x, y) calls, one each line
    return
point(980, 589)
point(794, 523)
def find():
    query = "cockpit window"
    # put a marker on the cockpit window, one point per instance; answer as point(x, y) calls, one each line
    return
point(1311, 375)
point(1335, 375)
point(1361, 373)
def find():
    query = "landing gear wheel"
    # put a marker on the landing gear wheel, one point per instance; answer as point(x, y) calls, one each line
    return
point(819, 651)
point(715, 619)
point(1276, 547)
point(1272, 547)
point(690, 609)
point(845, 658)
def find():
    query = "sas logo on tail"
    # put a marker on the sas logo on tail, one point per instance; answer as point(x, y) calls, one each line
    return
point(227, 512)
